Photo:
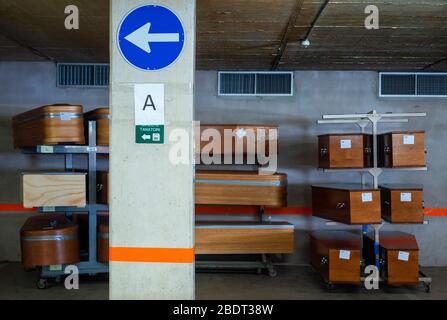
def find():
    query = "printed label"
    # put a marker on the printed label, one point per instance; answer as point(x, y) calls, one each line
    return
point(408, 139)
point(46, 149)
point(403, 256)
point(345, 144)
point(405, 197)
point(345, 255)
point(367, 197)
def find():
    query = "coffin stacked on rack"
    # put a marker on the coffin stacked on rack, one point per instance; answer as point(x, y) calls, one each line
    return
point(362, 205)
point(244, 188)
point(53, 239)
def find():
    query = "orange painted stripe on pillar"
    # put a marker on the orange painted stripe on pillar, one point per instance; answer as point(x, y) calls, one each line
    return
point(12, 207)
point(154, 255)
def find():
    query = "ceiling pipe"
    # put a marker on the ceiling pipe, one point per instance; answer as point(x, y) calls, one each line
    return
point(305, 41)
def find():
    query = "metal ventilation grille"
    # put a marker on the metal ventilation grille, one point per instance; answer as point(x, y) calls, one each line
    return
point(83, 75)
point(255, 83)
point(416, 84)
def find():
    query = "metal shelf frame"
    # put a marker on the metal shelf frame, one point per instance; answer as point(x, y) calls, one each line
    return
point(363, 120)
point(92, 266)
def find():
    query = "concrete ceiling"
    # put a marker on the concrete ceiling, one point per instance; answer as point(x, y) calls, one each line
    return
point(249, 34)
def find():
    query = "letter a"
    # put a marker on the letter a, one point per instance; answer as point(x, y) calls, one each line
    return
point(152, 104)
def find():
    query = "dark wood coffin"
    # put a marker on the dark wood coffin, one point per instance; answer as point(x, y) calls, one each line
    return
point(49, 239)
point(101, 116)
point(251, 138)
point(402, 203)
point(401, 149)
point(336, 256)
point(336, 151)
point(102, 181)
point(399, 255)
point(103, 242)
point(240, 188)
point(49, 125)
point(346, 203)
point(244, 238)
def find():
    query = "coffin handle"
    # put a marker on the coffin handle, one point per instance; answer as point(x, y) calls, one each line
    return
point(324, 260)
point(323, 152)
point(387, 203)
point(340, 205)
point(387, 149)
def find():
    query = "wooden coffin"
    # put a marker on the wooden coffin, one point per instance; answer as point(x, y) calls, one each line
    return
point(49, 240)
point(102, 181)
point(103, 242)
point(346, 203)
point(244, 238)
point(402, 203)
point(336, 256)
point(82, 220)
point(240, 188)
point(54, 189)
point(244, 139)
point(336, 151)
point(49, 125)
point(401, 149)
point(101, 116)
point(399, 255)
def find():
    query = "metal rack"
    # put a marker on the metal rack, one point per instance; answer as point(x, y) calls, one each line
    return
point(363, 121)
point(91, 266)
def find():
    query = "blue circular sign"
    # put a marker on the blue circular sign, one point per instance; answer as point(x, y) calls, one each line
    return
point(151, 37)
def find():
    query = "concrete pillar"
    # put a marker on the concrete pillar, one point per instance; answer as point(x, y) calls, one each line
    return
point(151, 199)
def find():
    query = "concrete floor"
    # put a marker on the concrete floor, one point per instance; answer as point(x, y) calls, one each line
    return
point(292, 283)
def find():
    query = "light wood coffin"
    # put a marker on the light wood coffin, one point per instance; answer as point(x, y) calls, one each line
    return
point(49, 125)
point(244, 238)
point(101, 116)
point(336, 256)
point(240, 188)
point(54, 189)
point(346, 203)
point(399, 255)
point(49, 240)
point(250, 138)
point(402, 203)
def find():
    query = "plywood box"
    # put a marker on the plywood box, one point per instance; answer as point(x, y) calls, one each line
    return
point(336, 256)
point(244, 238)
point(346, 203)
point(401, 149)
point(402, 203)
point(399, 254)
point(49, 125)
point(240, 188)
point(49, 240)
point(337, 151)
point(101, 116)
point(54, 189)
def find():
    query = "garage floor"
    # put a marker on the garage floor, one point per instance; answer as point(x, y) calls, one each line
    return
point(291, 283)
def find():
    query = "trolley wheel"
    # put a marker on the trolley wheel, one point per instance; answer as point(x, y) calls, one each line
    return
point(273, 273)
point(42, 284)
point(330, 286)
point(427, 287)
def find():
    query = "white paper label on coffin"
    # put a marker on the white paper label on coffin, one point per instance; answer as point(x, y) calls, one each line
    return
point(345, 255)
point(405, 197)
point(403, 256)
point(408, 139)
point(367, 197)
point(345, 144)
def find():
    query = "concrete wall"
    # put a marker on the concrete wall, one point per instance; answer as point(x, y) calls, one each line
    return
point(26, 85)
point(316, 93)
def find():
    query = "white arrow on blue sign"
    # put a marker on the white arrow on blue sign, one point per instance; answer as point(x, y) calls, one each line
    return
point(151, 37)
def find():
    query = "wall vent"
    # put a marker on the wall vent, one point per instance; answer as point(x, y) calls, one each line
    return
point(415, 84)
point(255, 83)
point(82, 75)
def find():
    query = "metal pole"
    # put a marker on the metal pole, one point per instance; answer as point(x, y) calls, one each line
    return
point(92, 210)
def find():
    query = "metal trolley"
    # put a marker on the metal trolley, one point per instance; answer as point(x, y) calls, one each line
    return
point(90, 266)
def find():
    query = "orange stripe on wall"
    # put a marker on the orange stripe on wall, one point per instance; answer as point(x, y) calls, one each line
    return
point(436, 212)
point(7, 207)
point(155, 255)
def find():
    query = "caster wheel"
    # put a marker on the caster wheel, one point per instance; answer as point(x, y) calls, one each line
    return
point(330, 286)
point(427, 288)
point(273, 273)
point(42, 284)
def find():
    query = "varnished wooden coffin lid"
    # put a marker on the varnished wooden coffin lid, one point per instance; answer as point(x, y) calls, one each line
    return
point(402, 187)
point(396, 240)
point(42, 226)
point(239, 176)
point(345, 187)
point(338, 239)
point(55, 108)
point(101, 113)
